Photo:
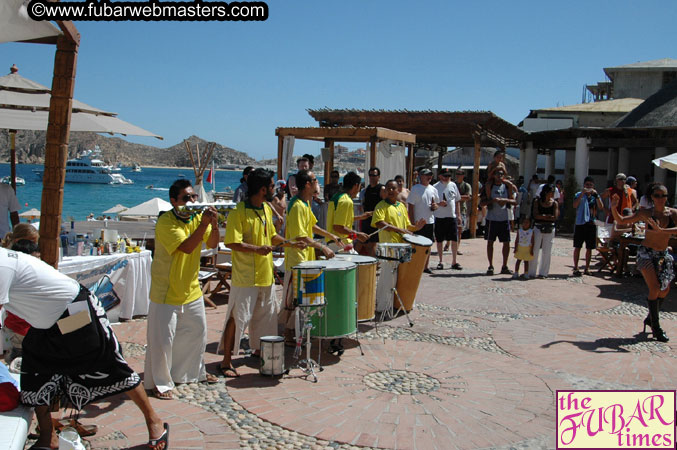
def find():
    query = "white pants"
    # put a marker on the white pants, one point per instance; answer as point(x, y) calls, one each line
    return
point(177, 338)
point(255, 307)
point(543, 240)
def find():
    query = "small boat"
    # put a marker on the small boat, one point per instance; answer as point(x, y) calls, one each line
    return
point(8, 180)
point(136, 168)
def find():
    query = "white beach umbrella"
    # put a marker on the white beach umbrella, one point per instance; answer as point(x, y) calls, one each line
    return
point(667, 162)
point(30, 214)
point(150, 208)
point(115, 209)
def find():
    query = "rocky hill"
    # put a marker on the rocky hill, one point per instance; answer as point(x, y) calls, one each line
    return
point(30, 149)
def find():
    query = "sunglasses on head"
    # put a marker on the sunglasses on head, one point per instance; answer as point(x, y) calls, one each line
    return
point(190, 197)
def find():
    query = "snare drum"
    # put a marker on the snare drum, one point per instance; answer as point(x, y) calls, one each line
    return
point(272, 355)
point(409, 274)
point(339, 318)
point(366, 284)
point(389, 251)
point(309, 279)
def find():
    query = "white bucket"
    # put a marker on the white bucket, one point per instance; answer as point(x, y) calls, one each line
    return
point(272, 356)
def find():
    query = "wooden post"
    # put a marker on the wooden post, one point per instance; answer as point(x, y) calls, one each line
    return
point(410, 166)
point(12, 159)
point(475, 185)
point(280, 143)
point(372, 153)
point(56, 149)
point(329, 163)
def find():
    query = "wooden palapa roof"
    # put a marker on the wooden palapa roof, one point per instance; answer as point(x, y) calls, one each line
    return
point(444, 128)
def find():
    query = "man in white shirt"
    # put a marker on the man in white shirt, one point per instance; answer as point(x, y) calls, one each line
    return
point(447, 218)
point(8, 205)
point(422, 202)
point(70, 350)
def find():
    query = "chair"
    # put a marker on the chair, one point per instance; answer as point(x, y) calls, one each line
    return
point(604, 248)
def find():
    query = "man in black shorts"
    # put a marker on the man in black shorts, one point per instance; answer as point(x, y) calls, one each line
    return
point(498, 225)
point(586, 204)
point(369, 198)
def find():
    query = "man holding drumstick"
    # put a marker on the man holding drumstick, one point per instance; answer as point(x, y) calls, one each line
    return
point(392, 218)
point(341, 215)
point(301, 226)
point(250, 234)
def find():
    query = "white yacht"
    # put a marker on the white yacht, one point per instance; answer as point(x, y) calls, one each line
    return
point(89, 168)
point(136, 168)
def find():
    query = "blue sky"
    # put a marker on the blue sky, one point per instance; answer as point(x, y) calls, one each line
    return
point(235, 82)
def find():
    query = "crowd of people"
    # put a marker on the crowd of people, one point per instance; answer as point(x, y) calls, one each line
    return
point(51, 316)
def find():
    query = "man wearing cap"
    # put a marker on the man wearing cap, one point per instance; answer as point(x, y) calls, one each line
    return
point(447, 218)
point(422, 203)
point(624, 193)
point(241, 191)
point(279, 205)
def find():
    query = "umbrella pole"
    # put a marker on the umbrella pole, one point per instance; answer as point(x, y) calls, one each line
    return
point(12, 169)
point(56, 149)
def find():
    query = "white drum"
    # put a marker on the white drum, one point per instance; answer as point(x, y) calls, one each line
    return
point(387, 281)
point(393, 251)
point(272, 356)
point(417, 239)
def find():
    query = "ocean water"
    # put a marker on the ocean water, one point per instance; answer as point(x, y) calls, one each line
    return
point(82, 199)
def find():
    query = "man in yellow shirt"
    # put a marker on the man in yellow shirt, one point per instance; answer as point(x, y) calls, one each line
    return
point(341, 213)
point(177, 327)
point(392, 217)
point(301, 226)
point(250, 234)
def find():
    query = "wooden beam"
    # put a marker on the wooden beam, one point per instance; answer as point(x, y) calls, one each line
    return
point(372, 153)
point(410, 165)
point(329, 163)
point(475, 185)
point(347, 134)
point(280, 143)
point(56, 149)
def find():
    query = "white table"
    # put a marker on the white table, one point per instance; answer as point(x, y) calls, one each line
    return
point(129, 273)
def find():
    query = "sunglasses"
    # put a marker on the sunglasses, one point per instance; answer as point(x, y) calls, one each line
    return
point(190, 197)
point(660, 195)
point(373, 174)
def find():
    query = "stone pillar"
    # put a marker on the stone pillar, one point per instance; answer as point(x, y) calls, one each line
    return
point(623, 161)
point(530, 161)
point(611, 165)
point(523, 158)
point(659, 175)
point(568, 163)
point(550, 163)
point(581, 161)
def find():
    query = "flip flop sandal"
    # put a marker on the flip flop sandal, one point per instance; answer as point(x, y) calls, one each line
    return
point(211, 379)
point(167, 395)
point(229, 372)
point(162, 442)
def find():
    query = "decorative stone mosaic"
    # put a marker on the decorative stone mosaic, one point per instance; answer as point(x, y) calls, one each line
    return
point(401, 382)
point(131, 349)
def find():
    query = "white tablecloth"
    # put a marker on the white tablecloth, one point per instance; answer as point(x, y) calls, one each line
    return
point(129, 272)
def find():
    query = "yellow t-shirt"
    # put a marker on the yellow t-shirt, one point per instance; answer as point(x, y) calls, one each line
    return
point(340, 212)
point(394, 214)
point(250, 225)
point(173, 272)
point(300, 222)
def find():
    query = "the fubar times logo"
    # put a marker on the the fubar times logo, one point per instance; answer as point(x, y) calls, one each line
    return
point(615, 419)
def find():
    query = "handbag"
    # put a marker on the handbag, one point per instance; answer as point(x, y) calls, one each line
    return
point(545, 228)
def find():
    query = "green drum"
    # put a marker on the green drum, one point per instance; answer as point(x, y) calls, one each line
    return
point(340, 313)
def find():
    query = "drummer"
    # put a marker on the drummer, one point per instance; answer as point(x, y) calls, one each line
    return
point(301, 226)
point(341, 214)
point(250, 234)
point(392, 218)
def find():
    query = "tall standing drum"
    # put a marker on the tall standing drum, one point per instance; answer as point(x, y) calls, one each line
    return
point(339, 318)
point(366, 284)
point(409, 273)
point(272, 355)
